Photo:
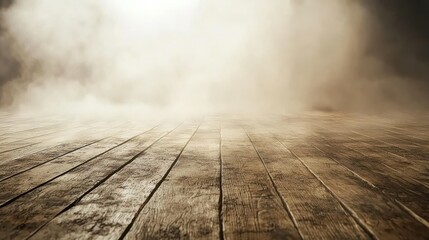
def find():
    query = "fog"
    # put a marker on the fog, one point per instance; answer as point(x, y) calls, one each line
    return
point(192, 57)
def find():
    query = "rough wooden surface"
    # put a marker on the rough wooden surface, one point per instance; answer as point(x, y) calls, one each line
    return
point(309, 176)
point(251, 207)
point(306, 196)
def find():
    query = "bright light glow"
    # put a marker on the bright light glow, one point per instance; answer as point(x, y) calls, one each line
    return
point(184, 57)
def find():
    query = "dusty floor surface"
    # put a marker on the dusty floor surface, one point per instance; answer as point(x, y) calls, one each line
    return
point(313, 176)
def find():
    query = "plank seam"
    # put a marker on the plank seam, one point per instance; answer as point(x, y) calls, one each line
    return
point(382, 141)
point(352, 213)
point(71, 169)
point(400, 204)
point(220, 203)
point(413, 214)
point(408, 179)
point(31, 144)
point(348, 169)
point(55, 131)
point(31, 129)
point(158, 184)
point(101, 181)
point(284, 203)
point(32, 137)
point(61, 155)
point(384, 164)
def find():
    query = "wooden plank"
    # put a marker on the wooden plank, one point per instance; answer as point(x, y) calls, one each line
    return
point(410, 167)
point(318, 214)
point(412, 194)
point(17, 185)
point(186, 205)
point(4, 143)
point(17, 165)
point(415, 169)
point(374, 166)
point(13, 125)
point(408, 134)
point(10, 142)
point(371, 134)
point(398, 147)
point(13, 144)
point(46, 131)
point(34, 209)
point(407, 151)
point(29, 150)
point(39, 132)
point(110, 208)
point(48, 145)
point(29, 138)
point(252, 209)
point(15, 130)
point(342, 179)
point(13, 166)
point(380, 215)
point(17, 146)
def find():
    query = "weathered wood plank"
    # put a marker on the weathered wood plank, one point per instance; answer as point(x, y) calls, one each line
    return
point(318, 214)
point(407, 145)
point(186, 205)
point(26, 181)
point(382, 216)
point(252, 209)
point(14, 131)
point(409, 133)
point(36, 208)
point(410, 167)
point(13, 166)
point(345, 177)
point(110, 208)
point(404, 167)
point(375, 167)
point(29, 140)
point(409, 136)
point(17, 165)
point(410, 193)
point(35, 132)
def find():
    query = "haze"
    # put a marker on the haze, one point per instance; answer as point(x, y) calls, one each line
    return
point(197, 57)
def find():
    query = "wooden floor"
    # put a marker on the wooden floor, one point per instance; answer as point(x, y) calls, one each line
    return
point(312, 176)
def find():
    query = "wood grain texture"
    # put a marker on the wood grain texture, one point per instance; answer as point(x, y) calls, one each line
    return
point(399, 146)
point(416, 169)
point(361, 197)
point(10, 167)
point(186, 203)
point(309, 176)
point(318, 214)
point(251, 209)
point(411, 193)
point(110, 208)
point(27, 138)
point(36, 208)
point(68, 136)
point(32, 178)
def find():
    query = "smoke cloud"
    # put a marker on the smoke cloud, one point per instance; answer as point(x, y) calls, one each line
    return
point(192, 57)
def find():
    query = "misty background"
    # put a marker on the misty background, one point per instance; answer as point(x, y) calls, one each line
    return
point(193, 56)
